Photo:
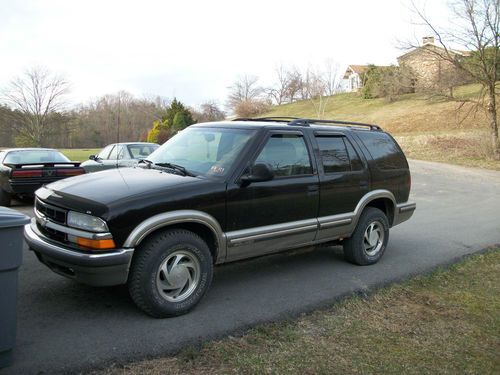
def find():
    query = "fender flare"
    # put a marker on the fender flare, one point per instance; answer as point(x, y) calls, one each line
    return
point(165, 219)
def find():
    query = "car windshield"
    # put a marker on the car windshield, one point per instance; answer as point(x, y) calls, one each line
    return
point(205, 151)
point(141, 151)
point(35, 156)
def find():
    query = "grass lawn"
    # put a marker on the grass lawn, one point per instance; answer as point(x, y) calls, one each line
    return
point(434, 130)
point(79, 154)
point(444, 323)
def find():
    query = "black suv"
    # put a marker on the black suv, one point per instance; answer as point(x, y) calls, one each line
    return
point(220, 192)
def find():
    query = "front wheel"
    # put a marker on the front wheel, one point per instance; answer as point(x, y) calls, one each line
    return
point(170, 273)
point(368, 241)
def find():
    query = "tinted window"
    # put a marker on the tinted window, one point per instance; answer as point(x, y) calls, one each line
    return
point(286, 154)
point(384, 150)
point(356, 163)
point(334, 155)
point(35, 156)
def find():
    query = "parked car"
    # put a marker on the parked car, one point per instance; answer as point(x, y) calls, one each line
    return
point(119, 155)
point(220, 192)
point(24, 170)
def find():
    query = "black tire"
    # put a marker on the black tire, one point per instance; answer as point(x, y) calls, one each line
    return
point(145, 278)
point(4, 198)
point(357, 249)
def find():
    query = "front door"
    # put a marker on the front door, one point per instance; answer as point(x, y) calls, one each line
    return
point(264, 217)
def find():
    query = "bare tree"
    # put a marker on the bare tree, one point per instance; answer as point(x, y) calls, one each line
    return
point(476, 29)
point(295, 83)
point(36, 95)
point(209, 111)
point(331, 77)
point(315, 90)
point(245, 89)
point(278, 92)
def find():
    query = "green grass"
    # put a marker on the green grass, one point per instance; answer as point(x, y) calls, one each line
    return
point(79, 154)
point(425, 126)
point(444, 323)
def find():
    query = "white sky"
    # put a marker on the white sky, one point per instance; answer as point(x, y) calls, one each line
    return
point(195, 49)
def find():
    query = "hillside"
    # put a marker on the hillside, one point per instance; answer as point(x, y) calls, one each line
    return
point(434, 130)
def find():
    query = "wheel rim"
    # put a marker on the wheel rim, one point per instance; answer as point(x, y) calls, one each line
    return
point(373, 239)
point(178, 276)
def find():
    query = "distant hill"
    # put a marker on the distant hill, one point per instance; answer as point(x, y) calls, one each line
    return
point(427, 129)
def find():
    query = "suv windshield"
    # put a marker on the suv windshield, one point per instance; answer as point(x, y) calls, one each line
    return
point(205, 151)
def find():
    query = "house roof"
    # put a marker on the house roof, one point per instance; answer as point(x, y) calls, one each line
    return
point(430, 45)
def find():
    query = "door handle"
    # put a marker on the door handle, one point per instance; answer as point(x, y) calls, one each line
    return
point(363, 183)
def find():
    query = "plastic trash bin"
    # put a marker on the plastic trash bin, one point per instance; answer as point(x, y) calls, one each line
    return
point(11, 256)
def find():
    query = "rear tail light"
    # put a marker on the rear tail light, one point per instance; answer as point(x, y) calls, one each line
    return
point(70, 172)
point(26, 173)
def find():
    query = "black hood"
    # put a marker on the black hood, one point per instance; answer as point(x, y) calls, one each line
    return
point(97, 192)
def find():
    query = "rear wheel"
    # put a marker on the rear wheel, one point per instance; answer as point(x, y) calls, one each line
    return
point(4, 198)
point(369, 240)
point(170, 273)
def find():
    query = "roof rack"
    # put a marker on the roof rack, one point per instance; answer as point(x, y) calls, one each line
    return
point(270, 119)
point(296, 121)
point(308, 121)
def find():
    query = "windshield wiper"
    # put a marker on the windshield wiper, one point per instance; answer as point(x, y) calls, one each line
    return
point(176, 167)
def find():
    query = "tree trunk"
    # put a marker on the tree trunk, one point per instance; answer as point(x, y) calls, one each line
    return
point(492, 113)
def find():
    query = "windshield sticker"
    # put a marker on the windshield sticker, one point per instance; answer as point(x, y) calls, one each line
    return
point(217, 169)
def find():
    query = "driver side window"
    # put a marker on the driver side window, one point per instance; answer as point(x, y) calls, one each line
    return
point(287, 155)
point(105, 152)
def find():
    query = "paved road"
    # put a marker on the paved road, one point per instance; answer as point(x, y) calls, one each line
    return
point(66, 327)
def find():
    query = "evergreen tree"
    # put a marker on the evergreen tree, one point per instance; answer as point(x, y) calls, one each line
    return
point(179, 122)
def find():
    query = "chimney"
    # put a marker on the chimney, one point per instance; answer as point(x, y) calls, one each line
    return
point(427, 40)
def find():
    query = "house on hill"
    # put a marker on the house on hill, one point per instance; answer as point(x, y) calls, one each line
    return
point(430, 68)
point(427, 65)
point(353, 77)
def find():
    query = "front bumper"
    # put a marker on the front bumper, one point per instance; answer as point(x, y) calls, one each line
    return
point(105, 269)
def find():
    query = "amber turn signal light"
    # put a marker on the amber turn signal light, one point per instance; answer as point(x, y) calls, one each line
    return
point(96, 244)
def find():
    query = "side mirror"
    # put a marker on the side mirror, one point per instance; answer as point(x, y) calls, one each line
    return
point(258, 173)
point(92, 157)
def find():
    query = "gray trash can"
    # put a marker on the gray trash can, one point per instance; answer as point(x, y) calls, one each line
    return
point(11, 256)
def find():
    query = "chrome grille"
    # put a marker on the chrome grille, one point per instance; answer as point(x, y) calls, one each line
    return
point(55, 214)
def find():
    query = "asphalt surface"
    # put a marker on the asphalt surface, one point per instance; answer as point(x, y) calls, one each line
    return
point(66, 327)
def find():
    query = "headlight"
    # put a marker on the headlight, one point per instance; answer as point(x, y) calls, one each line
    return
point(86, 222)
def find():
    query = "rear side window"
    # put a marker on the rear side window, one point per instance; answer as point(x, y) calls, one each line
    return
point(338, 155)
point(334, 154)
point(384, 150)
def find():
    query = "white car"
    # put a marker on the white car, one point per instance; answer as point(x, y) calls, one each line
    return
point(119, 155)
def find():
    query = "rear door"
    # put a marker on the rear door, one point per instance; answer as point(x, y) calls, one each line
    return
point(268, 216)
point(344, 179)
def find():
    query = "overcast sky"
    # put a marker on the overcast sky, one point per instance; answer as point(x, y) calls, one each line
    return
point(195, 49)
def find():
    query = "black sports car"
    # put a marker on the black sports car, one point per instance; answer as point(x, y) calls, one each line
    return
point(24, 170)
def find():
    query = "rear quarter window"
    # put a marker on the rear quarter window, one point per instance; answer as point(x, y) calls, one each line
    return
point(384, 150)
